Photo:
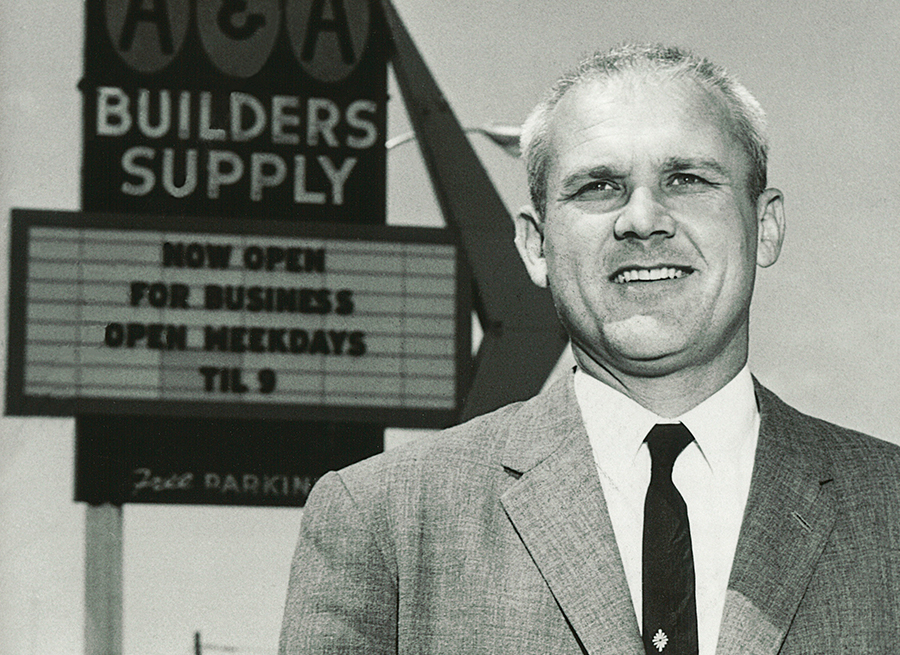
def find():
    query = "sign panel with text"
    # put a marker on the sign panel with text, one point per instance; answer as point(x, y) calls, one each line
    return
point(251, 109)
point(149, 315)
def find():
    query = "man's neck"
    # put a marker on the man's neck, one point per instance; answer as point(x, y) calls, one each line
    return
point(668, 395)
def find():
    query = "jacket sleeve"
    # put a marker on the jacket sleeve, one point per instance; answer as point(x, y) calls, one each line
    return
point(341, 595)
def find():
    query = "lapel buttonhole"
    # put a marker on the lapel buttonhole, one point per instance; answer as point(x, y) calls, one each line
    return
point(802, 521)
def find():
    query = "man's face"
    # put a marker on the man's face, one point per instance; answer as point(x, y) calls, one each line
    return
point(650, 237)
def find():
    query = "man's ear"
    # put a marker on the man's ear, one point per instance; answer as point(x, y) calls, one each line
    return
point(770, 226)
point(530, 244)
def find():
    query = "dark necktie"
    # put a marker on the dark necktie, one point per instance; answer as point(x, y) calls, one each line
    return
point(669, 605)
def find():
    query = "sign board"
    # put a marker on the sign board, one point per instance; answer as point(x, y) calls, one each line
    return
point(250, 108)
point(123, 314)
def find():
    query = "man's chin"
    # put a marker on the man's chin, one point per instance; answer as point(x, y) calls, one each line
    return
point(643, 337)
point(645, 345)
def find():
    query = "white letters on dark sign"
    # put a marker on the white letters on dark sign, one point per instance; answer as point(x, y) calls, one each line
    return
point(327, 36)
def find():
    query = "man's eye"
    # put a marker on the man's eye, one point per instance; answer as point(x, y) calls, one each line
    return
point(686, 179)
point(599, 186)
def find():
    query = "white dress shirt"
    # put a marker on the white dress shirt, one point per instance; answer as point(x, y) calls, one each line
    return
point(712, 474)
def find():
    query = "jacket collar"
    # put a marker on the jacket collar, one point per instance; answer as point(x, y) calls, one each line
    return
point(543, 425)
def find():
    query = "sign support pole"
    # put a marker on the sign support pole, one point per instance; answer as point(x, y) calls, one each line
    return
point(103, 580)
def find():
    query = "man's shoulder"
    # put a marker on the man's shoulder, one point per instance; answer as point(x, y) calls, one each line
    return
point(853, 454)
point(869, 467)
point(463, 455)
point(475, 443)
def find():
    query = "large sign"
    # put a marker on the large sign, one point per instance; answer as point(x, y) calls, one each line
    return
point(146, 315)
point(244, 108)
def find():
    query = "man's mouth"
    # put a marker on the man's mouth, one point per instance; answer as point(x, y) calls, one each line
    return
point(626, 275)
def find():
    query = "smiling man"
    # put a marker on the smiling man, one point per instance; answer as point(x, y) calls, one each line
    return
point(658, 499)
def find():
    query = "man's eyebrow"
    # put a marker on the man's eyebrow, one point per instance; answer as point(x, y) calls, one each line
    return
point(678, 164)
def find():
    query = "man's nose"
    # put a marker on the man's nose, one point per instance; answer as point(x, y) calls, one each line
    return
point(643, 216)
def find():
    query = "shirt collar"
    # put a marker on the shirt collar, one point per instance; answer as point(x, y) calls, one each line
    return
point(727, 422)
point(723, 425)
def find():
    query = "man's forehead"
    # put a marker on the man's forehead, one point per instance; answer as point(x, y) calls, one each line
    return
point(642, 91)
point(637, 98)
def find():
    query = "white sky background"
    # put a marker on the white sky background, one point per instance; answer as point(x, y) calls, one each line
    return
point(826, 329)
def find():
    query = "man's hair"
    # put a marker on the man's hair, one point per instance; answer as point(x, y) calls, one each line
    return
point(747, 117)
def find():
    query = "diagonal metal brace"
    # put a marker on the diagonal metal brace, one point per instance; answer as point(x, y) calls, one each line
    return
point(522, 336)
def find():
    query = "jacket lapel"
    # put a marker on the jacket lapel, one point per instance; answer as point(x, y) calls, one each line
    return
point(790, 514)
point(558, 509)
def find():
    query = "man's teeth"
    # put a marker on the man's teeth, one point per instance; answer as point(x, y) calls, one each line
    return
point(645, 274)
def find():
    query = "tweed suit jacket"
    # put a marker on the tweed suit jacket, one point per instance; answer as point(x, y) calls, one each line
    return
point(494, 537)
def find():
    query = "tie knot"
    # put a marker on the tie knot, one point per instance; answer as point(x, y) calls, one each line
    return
point(666, 441)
